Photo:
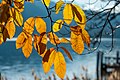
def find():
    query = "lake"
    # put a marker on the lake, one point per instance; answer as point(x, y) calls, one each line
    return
point(15, 66)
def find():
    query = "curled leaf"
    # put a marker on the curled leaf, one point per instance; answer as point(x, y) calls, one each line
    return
point(68, 14)
point(58, 6)
point(77, 43)
point(60, 65)
point(57, 25)
point(79, 16)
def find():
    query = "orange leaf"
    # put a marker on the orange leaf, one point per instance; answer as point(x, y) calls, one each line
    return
point(47, 65)
point(86, 37)
point(39, 44)
point(40, 25)
point(53, 38)
point(21, 40)
point(27, 48)
point(60, 65)
point(29, 25)
point(47, 54)
point(77, 43)
point(76, 30)
point(67, 52)
point(10, 28)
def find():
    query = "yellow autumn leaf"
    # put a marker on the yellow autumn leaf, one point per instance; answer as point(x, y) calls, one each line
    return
point(64, 40)
point(68, 14)
point(53, 38)
point(17, 16)
point(40, 43)
point(60, 65)
point(29, 25)
point(79, 16)
point(48, 64)
point(76, 30)
point(46, 2)
point(40, 25)
point(58, 6)
point(21, 40)
point(19, 5)
point(57, 25)
point(27, 48)
point(86, 37)
point(10, 28)
point(77, 43)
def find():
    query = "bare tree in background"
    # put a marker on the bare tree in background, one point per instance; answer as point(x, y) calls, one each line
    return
point(103, 22)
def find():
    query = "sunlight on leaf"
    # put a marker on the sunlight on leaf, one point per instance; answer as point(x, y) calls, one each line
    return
point(68, 14)
point(10, 28)
point(60, 65)
point(77, 43)
point(57, 25)
point(40, 25)
point(29, 25)
point(21, 40)
point(27, 48)
point(17, 16)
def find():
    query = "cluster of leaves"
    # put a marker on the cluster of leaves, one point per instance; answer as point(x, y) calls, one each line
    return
point(10, 15)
